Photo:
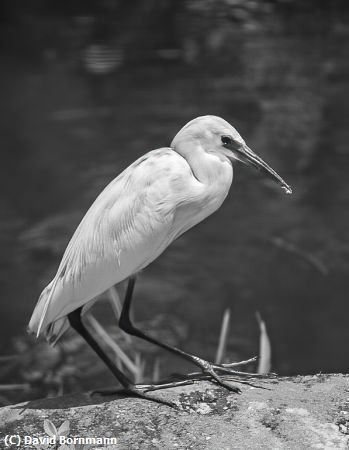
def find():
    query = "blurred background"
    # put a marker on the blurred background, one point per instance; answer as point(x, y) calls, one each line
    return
point(87, 87)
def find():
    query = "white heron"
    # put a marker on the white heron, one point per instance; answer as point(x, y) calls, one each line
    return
point(135, 218)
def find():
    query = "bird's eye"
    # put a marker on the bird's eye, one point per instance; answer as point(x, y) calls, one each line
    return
point(226, 140)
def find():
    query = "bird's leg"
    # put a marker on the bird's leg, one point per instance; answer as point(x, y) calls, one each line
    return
point(128, 387)
point(207, 368)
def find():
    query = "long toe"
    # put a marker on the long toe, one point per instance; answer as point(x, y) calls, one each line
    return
point(136, 391)
point(172, 384)
point(227, 370)
point(223, 368)
point(217, 379)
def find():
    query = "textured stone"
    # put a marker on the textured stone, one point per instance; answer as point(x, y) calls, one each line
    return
point(309, 412)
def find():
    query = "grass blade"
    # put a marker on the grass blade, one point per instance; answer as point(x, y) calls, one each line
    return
point(140, 364)
point(156, 371)
point(264, 362)
point(115, 303)
point(222, 345)
point(104, 336)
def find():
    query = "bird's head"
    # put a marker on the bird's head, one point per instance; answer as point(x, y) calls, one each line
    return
point(215, 135)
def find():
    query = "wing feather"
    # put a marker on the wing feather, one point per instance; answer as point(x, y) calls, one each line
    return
point(126, 228)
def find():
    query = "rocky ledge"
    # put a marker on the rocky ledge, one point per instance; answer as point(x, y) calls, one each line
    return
point(300, 412)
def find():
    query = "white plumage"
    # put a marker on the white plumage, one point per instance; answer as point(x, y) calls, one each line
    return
point(134, 219)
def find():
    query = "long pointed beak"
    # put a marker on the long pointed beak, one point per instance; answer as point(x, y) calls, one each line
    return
point(247, 156)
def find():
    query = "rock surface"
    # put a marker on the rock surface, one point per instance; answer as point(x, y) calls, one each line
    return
point(309, 412)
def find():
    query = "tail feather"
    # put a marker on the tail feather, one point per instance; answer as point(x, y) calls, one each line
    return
point(36, 320)
point(46, 299)
point(39, 322)
point(53, 322)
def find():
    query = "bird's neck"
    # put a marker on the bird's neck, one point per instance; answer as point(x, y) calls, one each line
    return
point(208, 167)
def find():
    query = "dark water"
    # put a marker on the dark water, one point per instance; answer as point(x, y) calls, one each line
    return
point(65, 134)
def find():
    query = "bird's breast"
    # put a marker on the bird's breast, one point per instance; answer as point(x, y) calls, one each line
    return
point(203, 199)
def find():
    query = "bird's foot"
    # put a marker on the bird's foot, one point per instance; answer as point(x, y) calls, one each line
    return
point(223, 374)
point(138, 391)
point(228, 369)
point(212, 375)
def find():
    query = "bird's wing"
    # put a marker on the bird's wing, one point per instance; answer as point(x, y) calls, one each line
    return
point(124, 230)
